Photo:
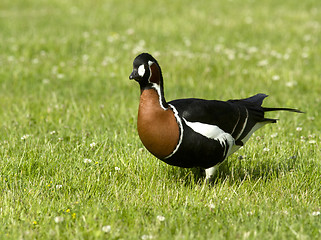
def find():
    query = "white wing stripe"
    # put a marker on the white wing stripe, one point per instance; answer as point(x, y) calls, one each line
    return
point(212, 132)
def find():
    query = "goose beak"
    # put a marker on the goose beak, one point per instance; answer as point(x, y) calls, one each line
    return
point(134, 75)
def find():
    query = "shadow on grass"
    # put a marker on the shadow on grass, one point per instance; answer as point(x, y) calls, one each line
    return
point(238, 169)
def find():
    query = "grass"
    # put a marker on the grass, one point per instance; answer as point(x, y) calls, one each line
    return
point(72, 165)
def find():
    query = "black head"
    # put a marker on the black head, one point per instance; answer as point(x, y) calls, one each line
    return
point(146, 70)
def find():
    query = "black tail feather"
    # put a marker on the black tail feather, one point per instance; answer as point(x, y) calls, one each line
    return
point(270, 120)
point(281, 109)
point(258, 100)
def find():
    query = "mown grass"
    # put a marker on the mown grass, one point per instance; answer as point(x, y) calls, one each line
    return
point(72, 165)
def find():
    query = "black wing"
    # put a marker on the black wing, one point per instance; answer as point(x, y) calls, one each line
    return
point(236, 117)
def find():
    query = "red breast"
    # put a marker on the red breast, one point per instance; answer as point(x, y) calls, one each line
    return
point(157, 128)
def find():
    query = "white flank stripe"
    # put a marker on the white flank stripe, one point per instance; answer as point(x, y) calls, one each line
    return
point(236, 124)
point(213, 132)
point(256, 127)
point(246, 138)
point(180, 125)
point(209, 131)
point(244, 125)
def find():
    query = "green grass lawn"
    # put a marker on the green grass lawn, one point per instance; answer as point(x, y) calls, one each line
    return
point(71, 162)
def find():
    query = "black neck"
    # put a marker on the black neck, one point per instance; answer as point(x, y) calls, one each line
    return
point(159, 90)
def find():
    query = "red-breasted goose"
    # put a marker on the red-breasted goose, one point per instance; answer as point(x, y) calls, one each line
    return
point(193, 132)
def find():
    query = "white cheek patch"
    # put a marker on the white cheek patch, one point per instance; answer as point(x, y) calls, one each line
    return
point(141, 70)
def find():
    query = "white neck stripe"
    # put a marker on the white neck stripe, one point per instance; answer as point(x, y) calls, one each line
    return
point(156, 86)
point(158, 90)
point(181, 131)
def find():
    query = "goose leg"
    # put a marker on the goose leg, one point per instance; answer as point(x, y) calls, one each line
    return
point(210, 172)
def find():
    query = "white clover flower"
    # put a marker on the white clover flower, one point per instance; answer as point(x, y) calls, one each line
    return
point(10, 58)
point(311, 135)
point(312, 141)
point(52, 132)
point(60, 75)
point(317, 213)
point(311, 118)
point(59, 219)
point(276, 78)
point(117, 168)
point(291, 84)
point(58, 186)
point(86, 34)
point(304, 55)
point(146, 237)
point(130, 31)
point(106, 228)
point(85, 58)
point(274, 135)
point(160, 218)
point(187, 42)
point(263, 63)
point(245, 71)
point(299, 129)
point(286, 56)
point(307, 38)
point(139, 47)
point(218, 48)
point(248, 20)
point(211, 205)
point(276, 54)
point(93, 144)
point(87, 160)
point(252, 49)
point(45, 81)
point(35, 61)
point(266, 149)
point(24, 137)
